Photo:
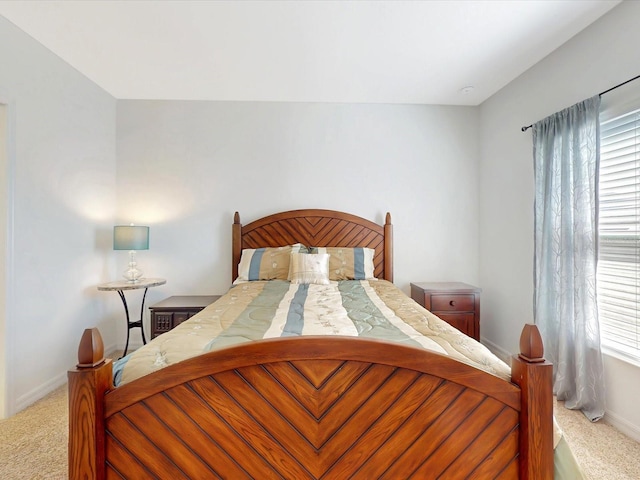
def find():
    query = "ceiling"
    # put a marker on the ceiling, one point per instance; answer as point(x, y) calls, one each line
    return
point(415, 52)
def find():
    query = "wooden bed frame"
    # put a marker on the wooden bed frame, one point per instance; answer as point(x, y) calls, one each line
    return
point(313, 407)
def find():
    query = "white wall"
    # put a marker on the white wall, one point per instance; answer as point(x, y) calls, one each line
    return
point(4, 255)
point(184, 168)
point(62, 154)
point(600, 57)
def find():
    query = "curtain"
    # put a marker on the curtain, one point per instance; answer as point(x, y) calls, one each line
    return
point(566, 150)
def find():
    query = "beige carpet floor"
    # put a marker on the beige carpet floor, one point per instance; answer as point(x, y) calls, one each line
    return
point(33, 443)
point(603, 452)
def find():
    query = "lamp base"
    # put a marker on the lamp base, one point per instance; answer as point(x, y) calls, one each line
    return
point(132, 274)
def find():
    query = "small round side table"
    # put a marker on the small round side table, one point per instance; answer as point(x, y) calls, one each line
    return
point(120, 287)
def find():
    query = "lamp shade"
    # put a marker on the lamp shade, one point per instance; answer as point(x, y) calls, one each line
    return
point(130, 237)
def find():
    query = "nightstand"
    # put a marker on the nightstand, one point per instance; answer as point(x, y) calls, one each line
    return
point(172, 311)
point(456, 303)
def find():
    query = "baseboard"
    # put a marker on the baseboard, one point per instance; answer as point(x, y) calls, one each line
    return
point(39, 392)
point(622, 425)
point(499, 352)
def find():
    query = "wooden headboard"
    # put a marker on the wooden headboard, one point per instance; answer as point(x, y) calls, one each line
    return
point(316, 228)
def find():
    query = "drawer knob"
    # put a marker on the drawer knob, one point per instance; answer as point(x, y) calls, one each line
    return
point(452, 303)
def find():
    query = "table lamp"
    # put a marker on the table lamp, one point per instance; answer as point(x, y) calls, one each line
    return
point(132, 238)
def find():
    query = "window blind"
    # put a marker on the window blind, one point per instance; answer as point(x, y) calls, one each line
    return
point(618, 274)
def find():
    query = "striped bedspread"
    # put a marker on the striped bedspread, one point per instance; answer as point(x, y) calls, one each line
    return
point(256, 310)
point(366, 308)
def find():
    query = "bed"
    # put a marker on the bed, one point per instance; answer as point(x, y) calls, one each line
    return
point(311, 406)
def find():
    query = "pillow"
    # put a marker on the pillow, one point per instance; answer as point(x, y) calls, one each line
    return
point(309, 268)
point(348, 263)
point(269, 263)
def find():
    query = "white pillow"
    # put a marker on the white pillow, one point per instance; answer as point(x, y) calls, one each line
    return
point(309, 268)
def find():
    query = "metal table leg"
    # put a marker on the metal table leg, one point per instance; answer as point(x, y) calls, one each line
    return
point(131, 324)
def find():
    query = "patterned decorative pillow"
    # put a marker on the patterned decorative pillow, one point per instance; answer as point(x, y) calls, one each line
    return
point(348, 263)
point(309, 268)
point(269, 263)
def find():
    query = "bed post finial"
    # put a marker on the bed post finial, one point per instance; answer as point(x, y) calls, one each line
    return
point(531, 347)
point(91, 349)
point(236, 218)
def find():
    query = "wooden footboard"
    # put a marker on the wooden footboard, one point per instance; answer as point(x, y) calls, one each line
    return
point(309, 408)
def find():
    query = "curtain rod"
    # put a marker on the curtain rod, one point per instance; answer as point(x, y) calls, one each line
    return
point(524, 129)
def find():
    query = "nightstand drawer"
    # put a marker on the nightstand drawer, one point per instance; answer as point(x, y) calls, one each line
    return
point(163, 322)
point(456, 303)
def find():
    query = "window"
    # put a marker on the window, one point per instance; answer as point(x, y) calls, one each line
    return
point(619, 251)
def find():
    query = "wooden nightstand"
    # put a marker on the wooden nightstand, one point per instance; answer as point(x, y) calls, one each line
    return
point(172, 311)
point(454, 302)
